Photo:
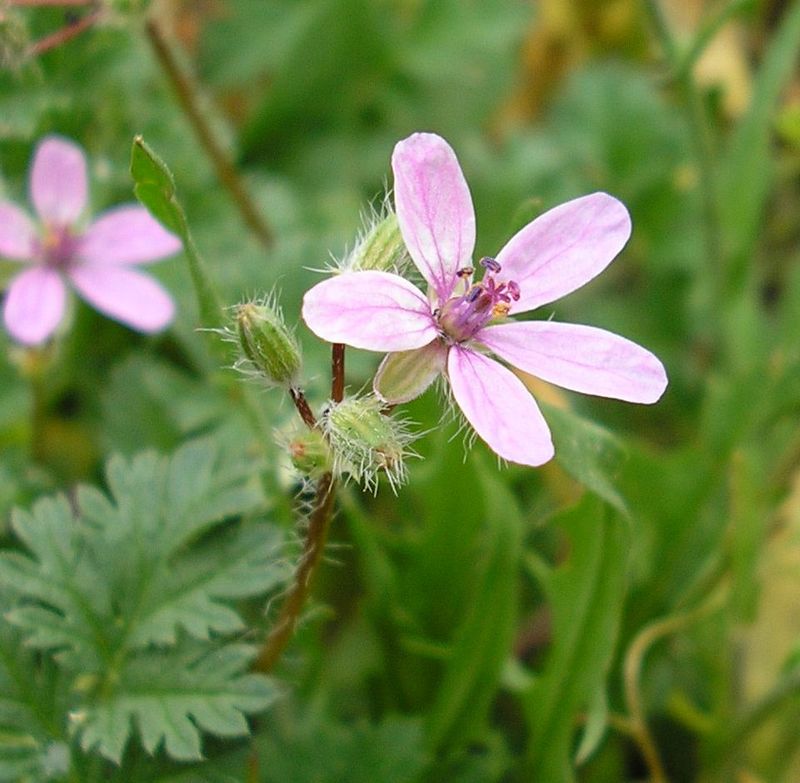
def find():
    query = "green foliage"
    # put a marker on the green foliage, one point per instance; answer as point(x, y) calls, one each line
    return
point(155, 188)
point(473, 628)
point(585, 595)
point(480, 648)
point(31, 700)
point(116, 592)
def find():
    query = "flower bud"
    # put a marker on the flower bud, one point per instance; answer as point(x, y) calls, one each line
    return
point(310, 453)
point(365, 442)
point(267, 344)
point(380, 249)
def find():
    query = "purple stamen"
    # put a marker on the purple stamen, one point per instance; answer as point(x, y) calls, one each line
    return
point(460, 317)
point(474, 293)
point(490, 265)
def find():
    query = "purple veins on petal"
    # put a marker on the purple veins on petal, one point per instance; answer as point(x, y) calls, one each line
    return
point(434, 209)
point(375, 311)
point(564, 248)
point(580, 358)
point(499, 407)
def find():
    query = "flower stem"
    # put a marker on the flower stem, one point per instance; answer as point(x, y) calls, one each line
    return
point(303, 408)
point(313, 547)
point(189, 99)
point(337, 372)
point(632, 670)
point(63, 35)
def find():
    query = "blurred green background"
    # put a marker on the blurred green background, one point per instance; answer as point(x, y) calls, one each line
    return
point(487, 624)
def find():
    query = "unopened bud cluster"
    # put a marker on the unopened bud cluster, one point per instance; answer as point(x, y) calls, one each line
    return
point(269, 348)
point(380, 249)
point(365, 442)
point(310, 453)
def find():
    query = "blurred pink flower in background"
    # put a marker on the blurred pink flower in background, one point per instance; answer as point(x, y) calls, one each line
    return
point(451, 330)
point(95, 261)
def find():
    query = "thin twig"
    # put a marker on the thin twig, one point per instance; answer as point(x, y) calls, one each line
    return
point(313, 547)
point(303, 408)
point(632, 669)
point(337, 372)
point(189, 99)
point(63, 35)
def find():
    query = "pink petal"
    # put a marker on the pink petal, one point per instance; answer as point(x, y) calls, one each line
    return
point(581, 358)
point(17, 234)
point(125, 295)
point(58, 181)
point(126, 235)
point(34, 305)
point(377, 311)
point(564, 248)
point(499, 407)
point(434, 209)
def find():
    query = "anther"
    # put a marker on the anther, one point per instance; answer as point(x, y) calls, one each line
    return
point(465, 272)
point(490, 264)
point(474, 293)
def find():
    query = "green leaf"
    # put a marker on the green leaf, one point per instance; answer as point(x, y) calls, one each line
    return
point(588, 453)
point(162, 556)
point(585, 594)
point(317, 747)
point(484, 639)
point(747, 169)
point(155, 188)
point(33, 745)
point(125, 573)
point(172, 697)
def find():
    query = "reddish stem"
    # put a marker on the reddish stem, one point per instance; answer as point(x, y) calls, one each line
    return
point(337, 372)
point(63, 35)
point(314, 545)
point(303, 408)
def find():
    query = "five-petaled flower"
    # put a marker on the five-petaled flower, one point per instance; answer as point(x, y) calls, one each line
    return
point(95, 261)
point(454, 327)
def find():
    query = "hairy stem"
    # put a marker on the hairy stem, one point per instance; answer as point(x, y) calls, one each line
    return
point(189, 99)
point(303, 408)
point(337, 372)
point(313, 547)
point(632, 670)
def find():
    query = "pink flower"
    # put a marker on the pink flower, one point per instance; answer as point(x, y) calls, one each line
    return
point(94, 261)
point(454, 328)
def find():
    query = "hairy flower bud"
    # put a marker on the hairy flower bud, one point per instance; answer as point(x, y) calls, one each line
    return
point(381, 248)
point(310, 453)
point(267, 344)
point(365, 442)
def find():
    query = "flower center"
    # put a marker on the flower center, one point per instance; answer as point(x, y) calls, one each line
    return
point(57, 247)
point(462, 316)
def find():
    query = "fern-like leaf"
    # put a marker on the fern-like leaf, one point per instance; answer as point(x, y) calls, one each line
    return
point(126, 591)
